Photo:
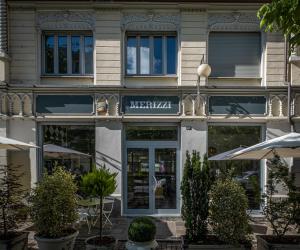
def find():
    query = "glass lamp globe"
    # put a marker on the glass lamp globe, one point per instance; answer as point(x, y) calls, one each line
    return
point(204, 70)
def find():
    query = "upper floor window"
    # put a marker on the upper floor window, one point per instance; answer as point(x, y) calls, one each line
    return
point(67, 53)
point(235, 54)
point(151, 55)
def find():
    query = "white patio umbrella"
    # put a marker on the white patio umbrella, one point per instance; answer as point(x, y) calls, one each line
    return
point(7, 143)
point(284, 146)
point(57, 151)
point(225, 155)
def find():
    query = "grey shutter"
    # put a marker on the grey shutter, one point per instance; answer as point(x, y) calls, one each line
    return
point(235, 54)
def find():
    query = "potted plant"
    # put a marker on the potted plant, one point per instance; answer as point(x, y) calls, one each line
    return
point(228, 214)
point(141, 234)
point(195, 186)
point(54, 211)
point(100, 183)
point(283, 214)
point(11, 194)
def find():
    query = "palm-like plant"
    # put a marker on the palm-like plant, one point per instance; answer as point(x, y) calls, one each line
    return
point(99, 183)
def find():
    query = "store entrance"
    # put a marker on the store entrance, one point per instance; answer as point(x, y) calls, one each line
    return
point(152, 175)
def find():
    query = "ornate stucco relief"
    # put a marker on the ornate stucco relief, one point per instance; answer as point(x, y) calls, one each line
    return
point(150, 21)
point(235, 21)
point(66, 20)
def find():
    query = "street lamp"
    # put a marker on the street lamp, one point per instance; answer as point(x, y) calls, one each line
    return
point(203, 70)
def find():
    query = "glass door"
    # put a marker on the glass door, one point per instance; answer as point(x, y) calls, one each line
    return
point(151, 180)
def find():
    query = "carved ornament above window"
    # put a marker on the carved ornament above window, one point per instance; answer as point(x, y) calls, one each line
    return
point(66, 20)
point(233, 22)
point(150, 21)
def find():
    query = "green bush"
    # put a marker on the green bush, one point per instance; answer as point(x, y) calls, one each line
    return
point(54, 206)
point(195, 186)
point(141, 229)
point(229, 219)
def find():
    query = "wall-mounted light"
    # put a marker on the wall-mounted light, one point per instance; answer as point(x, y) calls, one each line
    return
point(203, 70)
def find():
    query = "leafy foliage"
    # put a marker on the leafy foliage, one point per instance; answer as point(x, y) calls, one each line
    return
point(54, 203)
point(11, 194)
point(141, 229)
point(285, 212)
point(229, 219)
point(196, 183)
point(99, 183)
point(282, 15)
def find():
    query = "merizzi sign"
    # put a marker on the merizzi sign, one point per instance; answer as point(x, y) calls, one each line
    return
point(150, 105)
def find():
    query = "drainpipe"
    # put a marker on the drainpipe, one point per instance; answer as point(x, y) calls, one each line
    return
point(287, 78)
point(3, 28)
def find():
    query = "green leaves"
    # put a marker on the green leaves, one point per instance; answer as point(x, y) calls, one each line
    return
point(284, 16)
point(99, 183)
point(195, 186)
point(229, 219)
point(54, 202)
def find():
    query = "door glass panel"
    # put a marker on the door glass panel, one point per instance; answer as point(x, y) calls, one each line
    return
point(165, 178)
point(137, 178)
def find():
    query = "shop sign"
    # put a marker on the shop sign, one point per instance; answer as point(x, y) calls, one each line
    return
point(150, 105)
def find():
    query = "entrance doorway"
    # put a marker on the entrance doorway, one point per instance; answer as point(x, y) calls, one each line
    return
point(151, 174)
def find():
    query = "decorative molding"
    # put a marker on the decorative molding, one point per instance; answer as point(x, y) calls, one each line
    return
point(66, 20)
point(235, 21)
point(151, 21)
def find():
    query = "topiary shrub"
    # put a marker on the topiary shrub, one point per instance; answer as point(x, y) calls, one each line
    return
point(228, 212)
point(142, 229)
point(195, 186)
point(54, 206)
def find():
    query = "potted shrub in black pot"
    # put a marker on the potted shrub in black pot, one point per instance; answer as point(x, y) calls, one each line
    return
point(141, 234)
point(11, 194)
point(283, 214)
point(54, 211)
point(100, 183)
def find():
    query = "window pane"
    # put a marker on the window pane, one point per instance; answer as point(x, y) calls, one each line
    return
point(144, 133)
point(171, 55)
point(157, 55)
point(246, 172)
point(49, 54)
point(62, 55)
point(88, 54)
point(131, 55)
point(59, 140)
point(75, 41)
point(144, 55)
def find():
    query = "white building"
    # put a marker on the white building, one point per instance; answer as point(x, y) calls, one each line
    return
point(117, 80)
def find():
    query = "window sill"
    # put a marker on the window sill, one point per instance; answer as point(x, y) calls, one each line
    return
point(68, 76)
point(235, 78)
point(152, 76)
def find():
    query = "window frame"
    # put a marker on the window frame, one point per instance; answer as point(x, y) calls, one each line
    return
point(151, 36)
point(69, 34)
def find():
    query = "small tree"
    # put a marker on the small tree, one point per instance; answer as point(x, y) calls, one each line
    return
point(229, 219)
point(285, 212)
point(54, 205)
point(195, 186)
point(11, 194)
point(99, 183)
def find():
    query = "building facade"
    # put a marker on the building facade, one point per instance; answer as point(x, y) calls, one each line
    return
point(115, 83)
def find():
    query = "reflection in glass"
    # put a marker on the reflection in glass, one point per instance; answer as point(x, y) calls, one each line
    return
point(137, 178)
point(157, 55)
point(88, 54)
point(165, 178)
point(246, 172)
point(62, 140)
point(171, 55)
point(145, 133)
point(144, 56)
point(75, 46)
point(49, 54)
point(62, 54)
point(131, 56)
